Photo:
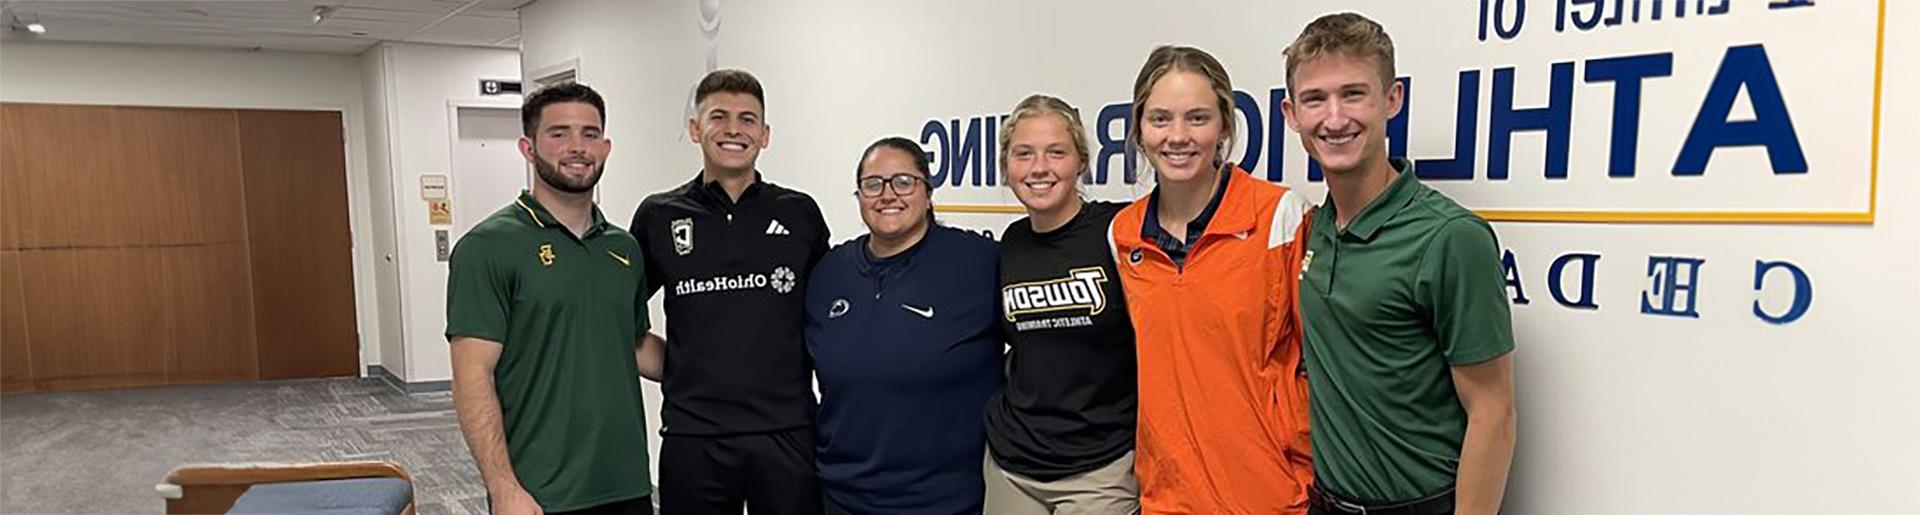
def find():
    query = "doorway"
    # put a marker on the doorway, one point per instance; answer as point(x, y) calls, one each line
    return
point(488, 171)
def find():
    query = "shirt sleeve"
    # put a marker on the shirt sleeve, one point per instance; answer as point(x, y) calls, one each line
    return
point(479, 290)
point(822, 235)
point(650, 278)
point(1464, 290)
point(641, 270)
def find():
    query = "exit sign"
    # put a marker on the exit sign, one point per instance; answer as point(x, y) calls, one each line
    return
point(499, 87)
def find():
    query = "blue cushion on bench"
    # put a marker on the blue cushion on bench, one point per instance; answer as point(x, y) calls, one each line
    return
point(369, 496)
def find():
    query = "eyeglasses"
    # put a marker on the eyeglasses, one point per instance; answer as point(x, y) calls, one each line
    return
point(903, 184)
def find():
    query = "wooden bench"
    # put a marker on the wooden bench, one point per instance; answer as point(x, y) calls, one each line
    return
point(217, 488)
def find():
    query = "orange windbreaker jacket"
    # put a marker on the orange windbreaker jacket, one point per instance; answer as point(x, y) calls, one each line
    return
point(1223, 398)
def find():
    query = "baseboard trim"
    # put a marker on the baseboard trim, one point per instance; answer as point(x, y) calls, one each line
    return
point(420, 387)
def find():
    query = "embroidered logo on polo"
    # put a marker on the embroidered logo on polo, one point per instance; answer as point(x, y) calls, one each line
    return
point(782, 280)
point(1306, 263)
point(1080, 293)
point(624, 261)
point(546, 255)
point(682, 231)
point(838, 308)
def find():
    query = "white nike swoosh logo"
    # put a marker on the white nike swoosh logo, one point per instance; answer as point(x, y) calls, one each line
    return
point(924, 313)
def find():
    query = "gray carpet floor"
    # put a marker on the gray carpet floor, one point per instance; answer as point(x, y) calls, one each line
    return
point(103, 451)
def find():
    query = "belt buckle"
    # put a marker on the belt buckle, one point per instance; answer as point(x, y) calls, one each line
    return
point(1348, 507)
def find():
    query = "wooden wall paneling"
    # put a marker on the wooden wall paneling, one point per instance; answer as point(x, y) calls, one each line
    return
point(97, 317)
point(16, 359)
point(58, 177)
point(294, 163)
point(13, 145)
point(191, 160)
point(210, 294)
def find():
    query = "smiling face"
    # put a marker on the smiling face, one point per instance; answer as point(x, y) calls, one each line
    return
point(889, 214)
point(1340, 105)
point(1181, 127)
point(568, 149)
point(730, 131)
point(1043, 166)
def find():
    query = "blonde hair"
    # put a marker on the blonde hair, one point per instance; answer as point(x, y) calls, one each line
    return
point(1347, 34)
point(1169, 58)
point(1045, 105)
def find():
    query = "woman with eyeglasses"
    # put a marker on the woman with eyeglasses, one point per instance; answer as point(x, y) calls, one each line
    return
point(902, 326)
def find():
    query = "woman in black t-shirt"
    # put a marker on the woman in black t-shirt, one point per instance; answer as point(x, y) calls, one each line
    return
point(1060, 434)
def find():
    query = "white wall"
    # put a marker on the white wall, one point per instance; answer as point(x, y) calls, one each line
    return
point(1621, 412)
point(416, 85)
point(70, 73)
point(375, 85)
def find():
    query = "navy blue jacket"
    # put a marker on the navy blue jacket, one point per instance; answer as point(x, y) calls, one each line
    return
point(907, 350)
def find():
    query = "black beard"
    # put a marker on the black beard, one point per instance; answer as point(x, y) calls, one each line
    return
point(550, 174)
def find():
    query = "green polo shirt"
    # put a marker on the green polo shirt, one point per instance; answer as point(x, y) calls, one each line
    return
point(566, 311)
point(1412, 287)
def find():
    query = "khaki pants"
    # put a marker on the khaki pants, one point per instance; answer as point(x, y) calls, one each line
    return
point(1108, 490)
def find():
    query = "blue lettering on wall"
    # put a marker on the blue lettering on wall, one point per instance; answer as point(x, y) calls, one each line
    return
point(1561, 16)
point(1556, 119)
point(929, 133)
point(966, 152)
point(1555, 284)
point(1673, 290)
point(1513, 278)
point(1626, 74)
point(1276, 135)
point(1251, 132)
point(1743, 67)
point(1802, 291)
point(1466, 122)
point(1122, 113)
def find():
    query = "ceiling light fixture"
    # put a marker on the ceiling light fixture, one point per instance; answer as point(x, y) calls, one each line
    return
point(321, 13)
point(28, 22)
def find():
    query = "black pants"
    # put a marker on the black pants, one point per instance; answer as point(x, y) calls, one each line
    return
point(1440, 504)
point(638, 506)
point(771, 474)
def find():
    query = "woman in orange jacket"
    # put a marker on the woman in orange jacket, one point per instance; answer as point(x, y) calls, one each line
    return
point(1210, 262)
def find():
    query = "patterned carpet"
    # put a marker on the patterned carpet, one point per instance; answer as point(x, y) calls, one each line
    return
point(103, 451)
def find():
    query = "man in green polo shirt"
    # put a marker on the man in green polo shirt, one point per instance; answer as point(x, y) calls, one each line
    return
point(1409, 339)
point(545, 307)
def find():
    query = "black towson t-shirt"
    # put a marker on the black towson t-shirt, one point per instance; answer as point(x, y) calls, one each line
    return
point(1068, 406)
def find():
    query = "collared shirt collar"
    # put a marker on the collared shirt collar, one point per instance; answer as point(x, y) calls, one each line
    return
point(544, 219)
point(1375, 214)
point(1151, 231)
point(713, 188)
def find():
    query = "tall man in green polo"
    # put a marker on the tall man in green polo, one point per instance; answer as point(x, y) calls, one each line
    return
point(545, 307)
point(1408, 334)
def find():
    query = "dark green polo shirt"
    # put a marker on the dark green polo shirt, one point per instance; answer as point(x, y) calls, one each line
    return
point(1412, 287)
point(567, 311)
